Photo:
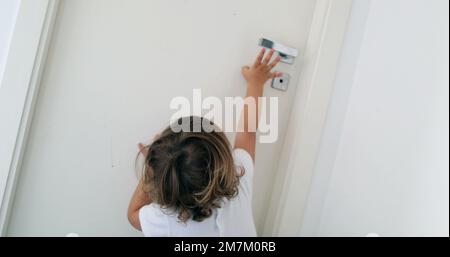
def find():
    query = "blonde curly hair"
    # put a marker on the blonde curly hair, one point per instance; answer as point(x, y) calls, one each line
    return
point(189, 172)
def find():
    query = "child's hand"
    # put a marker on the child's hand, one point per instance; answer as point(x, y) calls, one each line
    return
point(143, 148)
point(261, 70)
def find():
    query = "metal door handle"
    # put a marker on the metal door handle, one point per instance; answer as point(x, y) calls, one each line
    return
point(287, 53)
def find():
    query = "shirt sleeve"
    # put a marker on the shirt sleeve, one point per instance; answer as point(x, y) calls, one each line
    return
point(153, 221)
point(243, 160)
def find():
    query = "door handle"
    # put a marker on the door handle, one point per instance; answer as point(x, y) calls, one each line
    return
point(286, 53)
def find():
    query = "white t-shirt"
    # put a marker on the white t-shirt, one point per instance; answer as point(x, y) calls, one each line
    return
point(233, 218)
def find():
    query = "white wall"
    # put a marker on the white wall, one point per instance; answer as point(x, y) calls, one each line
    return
point(383, 165)
point(8, 13)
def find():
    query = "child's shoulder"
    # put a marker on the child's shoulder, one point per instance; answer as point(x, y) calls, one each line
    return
point(242, 157)
point(153, 220)
point(150, 211)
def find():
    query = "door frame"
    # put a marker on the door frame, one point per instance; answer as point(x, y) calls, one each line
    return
point(26, 62)
point(19, 89)
point(307, 118)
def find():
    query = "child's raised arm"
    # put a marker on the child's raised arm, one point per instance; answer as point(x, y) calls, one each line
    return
point(256, 76)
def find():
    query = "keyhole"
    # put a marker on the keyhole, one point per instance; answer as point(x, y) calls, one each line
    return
point(281, 80)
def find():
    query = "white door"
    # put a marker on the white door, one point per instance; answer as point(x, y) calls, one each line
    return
point(112, 70)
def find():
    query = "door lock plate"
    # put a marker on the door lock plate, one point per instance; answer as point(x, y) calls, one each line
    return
point(281, 83)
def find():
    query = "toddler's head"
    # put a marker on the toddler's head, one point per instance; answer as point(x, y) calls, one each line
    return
point(189, 172)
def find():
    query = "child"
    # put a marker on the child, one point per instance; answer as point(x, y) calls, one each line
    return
point(193, 183)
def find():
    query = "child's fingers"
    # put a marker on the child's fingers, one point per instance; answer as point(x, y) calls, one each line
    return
point(276, 74)
point(259, 57)
point(244, 69)
point(143, 149)
point(274, 62)
point(268, 57)
point(156, 136)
